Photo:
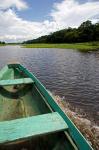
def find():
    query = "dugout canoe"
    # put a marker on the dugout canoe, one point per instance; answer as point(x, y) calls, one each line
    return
point(30, 119)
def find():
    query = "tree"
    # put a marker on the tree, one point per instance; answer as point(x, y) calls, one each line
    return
point(86, 31)
point(96, 32)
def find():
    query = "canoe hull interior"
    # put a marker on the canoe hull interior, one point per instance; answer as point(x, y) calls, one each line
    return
point(56, 141)
point(20, 100)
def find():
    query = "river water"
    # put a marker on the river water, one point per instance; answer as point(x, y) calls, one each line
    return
point(68, 73)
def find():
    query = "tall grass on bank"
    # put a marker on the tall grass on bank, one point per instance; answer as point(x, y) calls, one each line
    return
point(84, 47)
point(89, 129)
point(2, 44)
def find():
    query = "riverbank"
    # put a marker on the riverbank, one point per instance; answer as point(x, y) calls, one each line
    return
point(84, 47)
point(88, 128)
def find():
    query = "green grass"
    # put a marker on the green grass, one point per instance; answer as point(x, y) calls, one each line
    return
point(89, 46)
point(2, 44)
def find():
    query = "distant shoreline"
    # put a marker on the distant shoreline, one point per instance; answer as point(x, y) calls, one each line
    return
point(85, 47)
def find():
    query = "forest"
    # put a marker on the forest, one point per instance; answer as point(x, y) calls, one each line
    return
point(86, 32)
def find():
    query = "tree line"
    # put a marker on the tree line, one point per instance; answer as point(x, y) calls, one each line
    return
point(86, 32)
point(2, 42)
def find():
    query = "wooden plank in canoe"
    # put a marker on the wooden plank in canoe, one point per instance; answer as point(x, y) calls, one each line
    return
point(32, 126)
point(16, 81)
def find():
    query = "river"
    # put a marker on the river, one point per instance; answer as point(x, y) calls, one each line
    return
point(68, 73)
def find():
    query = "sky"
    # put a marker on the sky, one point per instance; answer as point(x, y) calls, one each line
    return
point(22, 20)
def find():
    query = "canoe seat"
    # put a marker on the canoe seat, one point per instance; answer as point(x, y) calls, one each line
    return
point(20, 129)
point(16, 81)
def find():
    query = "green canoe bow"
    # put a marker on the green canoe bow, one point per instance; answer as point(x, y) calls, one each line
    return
point(29, 116)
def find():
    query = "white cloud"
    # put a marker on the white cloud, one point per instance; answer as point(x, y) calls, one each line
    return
point(19, 4)
point(64, 14)
point(72, 13)
point(13, 28)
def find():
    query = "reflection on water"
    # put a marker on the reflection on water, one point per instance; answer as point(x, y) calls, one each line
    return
point(68, 73)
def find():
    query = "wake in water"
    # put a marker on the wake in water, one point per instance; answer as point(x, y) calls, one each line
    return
point(88, 128)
